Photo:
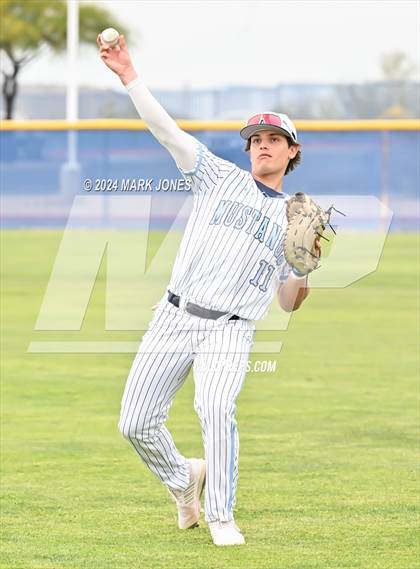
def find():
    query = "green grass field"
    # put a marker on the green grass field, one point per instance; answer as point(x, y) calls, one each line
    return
point(328, 472)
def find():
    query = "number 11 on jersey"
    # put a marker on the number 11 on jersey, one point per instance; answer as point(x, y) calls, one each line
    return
point(264, 273)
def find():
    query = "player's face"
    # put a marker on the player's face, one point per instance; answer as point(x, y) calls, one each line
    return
point(270, 153)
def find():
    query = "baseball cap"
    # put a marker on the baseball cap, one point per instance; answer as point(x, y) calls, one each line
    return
point(270, 121)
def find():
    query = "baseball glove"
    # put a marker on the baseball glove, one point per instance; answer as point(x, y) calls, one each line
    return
point(306, 224)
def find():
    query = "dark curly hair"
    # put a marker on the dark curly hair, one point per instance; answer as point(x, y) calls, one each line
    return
point(293, 162)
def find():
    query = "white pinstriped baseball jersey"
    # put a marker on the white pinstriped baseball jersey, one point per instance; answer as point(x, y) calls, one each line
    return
point(231, 255)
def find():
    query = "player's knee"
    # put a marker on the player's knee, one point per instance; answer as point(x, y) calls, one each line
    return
point(139, 430)
point(131, 432)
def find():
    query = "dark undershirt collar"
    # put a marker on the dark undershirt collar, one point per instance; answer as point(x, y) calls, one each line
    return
point(269, 192)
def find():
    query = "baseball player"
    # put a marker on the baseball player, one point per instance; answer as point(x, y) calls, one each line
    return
point(229, 266)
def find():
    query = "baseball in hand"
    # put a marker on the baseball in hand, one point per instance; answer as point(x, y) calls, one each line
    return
point(109, 37)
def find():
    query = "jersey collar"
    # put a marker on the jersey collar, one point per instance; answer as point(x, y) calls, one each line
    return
point(269, 192)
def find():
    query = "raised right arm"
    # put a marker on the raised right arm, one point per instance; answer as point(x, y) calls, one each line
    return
point(182, 146)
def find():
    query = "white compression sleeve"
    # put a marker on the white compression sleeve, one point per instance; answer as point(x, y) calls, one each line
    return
point(181, 145)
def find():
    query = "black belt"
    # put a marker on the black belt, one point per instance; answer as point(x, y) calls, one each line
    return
point(199, 311)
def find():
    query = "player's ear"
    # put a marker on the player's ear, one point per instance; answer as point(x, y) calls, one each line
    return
point(293, 150)
point(246, 149)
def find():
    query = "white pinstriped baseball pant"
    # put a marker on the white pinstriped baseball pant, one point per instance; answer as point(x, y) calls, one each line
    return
point(218, 351)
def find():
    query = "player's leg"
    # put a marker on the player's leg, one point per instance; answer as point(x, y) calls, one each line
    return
point(158, 371)
point(219, 371)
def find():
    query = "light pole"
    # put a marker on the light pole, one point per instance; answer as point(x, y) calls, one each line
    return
point(70, 171)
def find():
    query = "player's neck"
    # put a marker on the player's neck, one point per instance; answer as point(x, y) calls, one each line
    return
point(273, 181)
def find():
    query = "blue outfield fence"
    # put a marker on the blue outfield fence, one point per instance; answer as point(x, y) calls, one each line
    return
point(381, 162)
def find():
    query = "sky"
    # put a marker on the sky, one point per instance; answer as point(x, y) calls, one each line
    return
point(205, 44)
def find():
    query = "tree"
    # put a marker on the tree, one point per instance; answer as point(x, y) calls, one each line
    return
point(397, 66)
point(31, 27)
point(398, 70)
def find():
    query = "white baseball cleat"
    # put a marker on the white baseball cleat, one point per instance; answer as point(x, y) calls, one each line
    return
point(188, 501)
point(226, 533)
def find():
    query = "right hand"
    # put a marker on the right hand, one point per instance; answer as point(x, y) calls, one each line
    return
point(118, 59)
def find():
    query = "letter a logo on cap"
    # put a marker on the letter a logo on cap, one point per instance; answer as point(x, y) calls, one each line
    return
point(270, 118)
